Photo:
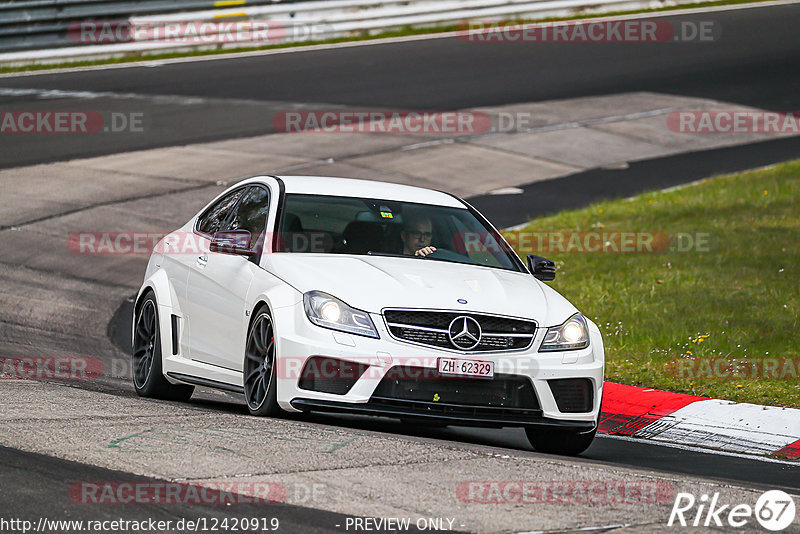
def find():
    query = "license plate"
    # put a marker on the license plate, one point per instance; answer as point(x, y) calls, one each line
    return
point(466, 368)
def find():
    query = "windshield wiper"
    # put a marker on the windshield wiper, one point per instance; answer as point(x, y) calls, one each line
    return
point(388, 254)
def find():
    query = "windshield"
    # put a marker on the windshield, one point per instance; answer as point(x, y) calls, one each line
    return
point(365, 226)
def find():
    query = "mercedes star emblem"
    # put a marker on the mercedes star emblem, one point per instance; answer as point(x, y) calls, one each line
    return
point(464, 333)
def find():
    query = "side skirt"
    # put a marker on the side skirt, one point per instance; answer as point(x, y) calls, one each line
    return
point(206, 382)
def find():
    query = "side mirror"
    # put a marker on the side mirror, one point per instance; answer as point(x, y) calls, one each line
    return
point(236, 242)
point(541, 268)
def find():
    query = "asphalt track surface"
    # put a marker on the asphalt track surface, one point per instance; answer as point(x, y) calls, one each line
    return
point(756, 62)
point(604, 450)
point(28, 473)
point(583, 188)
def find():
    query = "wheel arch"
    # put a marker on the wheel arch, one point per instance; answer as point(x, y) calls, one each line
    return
point(260, 304)
point(159, 284)
point(263, 304)
point(272, 293)
point(276, 297)
point(140, 298)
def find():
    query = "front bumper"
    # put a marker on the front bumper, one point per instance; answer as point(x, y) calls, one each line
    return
point(454, 414)
point(299, 340)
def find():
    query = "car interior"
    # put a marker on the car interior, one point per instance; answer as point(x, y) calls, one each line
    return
point(363, 226)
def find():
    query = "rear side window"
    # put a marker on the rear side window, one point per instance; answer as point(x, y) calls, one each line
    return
point(212, 220)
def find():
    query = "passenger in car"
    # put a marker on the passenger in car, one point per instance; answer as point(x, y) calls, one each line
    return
point(416, 235)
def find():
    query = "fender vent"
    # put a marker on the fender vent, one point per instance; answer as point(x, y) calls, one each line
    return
point(174, 334)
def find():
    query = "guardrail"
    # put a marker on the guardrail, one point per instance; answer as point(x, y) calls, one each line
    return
point(67, 30)
point(30, 24)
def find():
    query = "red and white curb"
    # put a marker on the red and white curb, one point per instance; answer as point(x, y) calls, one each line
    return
point(699, 421)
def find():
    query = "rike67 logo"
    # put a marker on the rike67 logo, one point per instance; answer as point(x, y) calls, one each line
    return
point(774, 510)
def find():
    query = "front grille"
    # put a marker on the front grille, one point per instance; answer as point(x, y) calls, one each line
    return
point(572, 395)
point(431, 328)
point(330, 375)
point(417, 384)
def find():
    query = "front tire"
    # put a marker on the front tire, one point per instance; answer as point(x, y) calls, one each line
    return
point(559, 441)
point(260, 374)
point(148, 376)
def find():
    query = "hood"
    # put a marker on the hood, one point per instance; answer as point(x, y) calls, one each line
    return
point(371, 283)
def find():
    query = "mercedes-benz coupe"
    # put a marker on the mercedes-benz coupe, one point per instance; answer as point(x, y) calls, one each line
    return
point(312, 294)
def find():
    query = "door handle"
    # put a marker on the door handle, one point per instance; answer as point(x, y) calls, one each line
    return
point(202, 261)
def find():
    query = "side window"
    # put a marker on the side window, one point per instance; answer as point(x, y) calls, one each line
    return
point(215, 216)
point(251, 214)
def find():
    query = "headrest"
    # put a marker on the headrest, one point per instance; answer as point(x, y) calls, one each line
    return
point(291, 223)
point(361, 237)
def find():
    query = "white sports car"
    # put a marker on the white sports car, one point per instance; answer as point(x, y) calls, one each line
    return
point(352, 296)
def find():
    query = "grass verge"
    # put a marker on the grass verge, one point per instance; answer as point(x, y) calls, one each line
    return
point(404, 32)
point(719, 320)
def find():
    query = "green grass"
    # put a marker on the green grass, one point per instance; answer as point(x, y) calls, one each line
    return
point(741, 296)
point(404, 32)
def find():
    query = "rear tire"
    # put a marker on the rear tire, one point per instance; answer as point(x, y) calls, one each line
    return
point(260, 373)
point(148, 375)
point(559, 441)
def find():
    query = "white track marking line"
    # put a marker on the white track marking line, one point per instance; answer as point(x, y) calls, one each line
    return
point(51, 94)
point(54, 94)
point(691, 448)
point(738, 427)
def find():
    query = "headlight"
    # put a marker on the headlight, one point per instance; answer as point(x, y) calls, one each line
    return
point(572, 335)
point(329, 312)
